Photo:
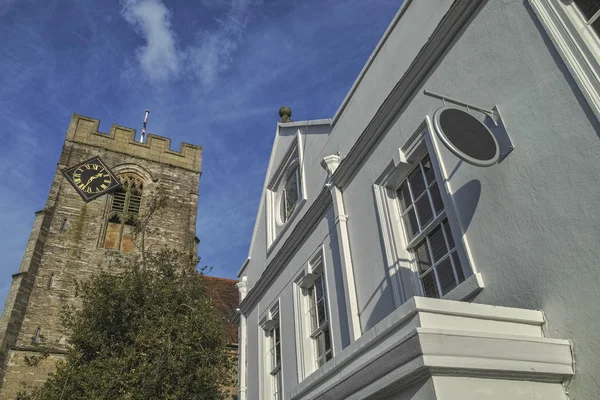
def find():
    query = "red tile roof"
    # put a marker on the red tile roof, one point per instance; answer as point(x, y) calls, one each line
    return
point(226, 297)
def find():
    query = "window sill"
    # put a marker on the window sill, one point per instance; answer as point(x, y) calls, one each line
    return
point(579, 51)
point(467, 289)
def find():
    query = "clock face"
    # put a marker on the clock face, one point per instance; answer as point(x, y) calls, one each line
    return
point(91, 179)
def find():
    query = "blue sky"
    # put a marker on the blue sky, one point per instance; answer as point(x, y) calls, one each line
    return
point(212, 72)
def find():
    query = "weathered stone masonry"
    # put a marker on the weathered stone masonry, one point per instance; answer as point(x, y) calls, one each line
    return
point(66, 242)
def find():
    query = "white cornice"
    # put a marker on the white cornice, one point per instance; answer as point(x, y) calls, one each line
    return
point(243, 268)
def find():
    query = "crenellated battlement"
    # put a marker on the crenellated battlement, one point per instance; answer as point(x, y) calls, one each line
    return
point(122, 139)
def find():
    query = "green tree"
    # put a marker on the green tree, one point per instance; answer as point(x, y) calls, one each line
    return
point(148, 331)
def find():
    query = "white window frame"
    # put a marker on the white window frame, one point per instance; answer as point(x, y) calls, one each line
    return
point(293, 160)
point(402, 265)
point(577, 43)
point(272, 372)
point(438, 221)
point(306, 344)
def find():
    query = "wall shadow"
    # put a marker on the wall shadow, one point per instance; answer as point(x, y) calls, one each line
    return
point(466, 199)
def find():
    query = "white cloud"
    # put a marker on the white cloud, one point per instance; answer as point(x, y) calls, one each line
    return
point(213, 53)
point(159, 58)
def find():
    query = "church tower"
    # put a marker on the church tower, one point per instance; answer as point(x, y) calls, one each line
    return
point(80, 230)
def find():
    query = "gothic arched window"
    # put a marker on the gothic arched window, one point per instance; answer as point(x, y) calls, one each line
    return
point(124, 210)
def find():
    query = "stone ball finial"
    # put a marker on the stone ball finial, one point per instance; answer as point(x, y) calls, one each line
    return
point(285, 113)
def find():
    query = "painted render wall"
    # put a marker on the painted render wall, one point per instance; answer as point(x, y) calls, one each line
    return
point(313, 139)
point(531, 222)
point(324, 236)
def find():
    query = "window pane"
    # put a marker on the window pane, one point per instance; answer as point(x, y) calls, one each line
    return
point(437, 243)
point(291, 188)
point(291, 191)
point(422, 257)
point(458, 266)
point(321, 312)
point(448, 234)
point(298, 180)
point(319, 288)
point(424, 210)
point(404, 197)
point(588, 7)
point(276, 339)
point(321, 345)
point(436, 198)
point(283, 207)
point(327, 338)
point(446, 276)
point(429, 285)
point(429, 175)
point(417, 183)
point(320, 333)
point(410, 221)
point(289, 196)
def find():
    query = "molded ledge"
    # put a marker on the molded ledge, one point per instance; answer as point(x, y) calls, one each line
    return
point(429, 337)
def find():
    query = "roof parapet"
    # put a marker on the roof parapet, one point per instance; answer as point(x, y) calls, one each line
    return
point(122, 139)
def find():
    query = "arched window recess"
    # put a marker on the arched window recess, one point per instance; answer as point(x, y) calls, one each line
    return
point(124, 214)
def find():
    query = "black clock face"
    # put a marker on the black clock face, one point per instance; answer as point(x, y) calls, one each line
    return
point(91, 178)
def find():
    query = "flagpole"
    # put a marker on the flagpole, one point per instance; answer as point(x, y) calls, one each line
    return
point(144, 126)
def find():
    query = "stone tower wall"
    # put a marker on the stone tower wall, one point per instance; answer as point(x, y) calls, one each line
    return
point(75, 253)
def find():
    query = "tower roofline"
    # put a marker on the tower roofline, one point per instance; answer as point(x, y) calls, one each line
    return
point(121, 139)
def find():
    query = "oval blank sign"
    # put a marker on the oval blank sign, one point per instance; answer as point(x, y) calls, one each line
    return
point(466, 136)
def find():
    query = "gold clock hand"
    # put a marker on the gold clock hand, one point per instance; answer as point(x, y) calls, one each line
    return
point(88, 182)
point(91, 179)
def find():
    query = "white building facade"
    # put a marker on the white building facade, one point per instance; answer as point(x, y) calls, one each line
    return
point(383, 266)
